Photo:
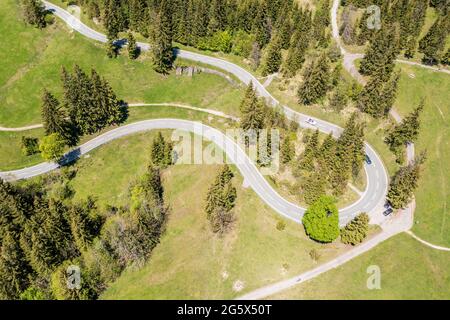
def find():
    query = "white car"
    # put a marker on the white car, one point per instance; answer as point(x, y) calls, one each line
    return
point(311, 121)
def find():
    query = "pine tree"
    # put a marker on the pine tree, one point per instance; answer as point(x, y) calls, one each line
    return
point(34, 13)
point(261, 26)
point(314, 187)
point(311, 152)
point(404, 183)
point(112, 18)
point(133, 50)
point(381, 53)
point(220, 201)
point(287, 150)
point(84, 224)
point(433, 43)
point(389, 94)
point(407, 131)
point(296, 54)
point(161, 152)
point(111, 49)
point(369, 100)
point(253, 111)
point(217, 21)
point(316, 81)
point(54, 117)
point(356, 230)
point(273, 57)
point(162, 52)
point(14, 269)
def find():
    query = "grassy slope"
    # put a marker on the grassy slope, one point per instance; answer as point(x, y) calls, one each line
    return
point(190, 261)
point(409, 270)
point(134, 81)
point(433, 195)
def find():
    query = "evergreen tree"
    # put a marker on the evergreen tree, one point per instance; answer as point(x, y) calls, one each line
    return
point(54, 117)
point(255, 56)
point(14, 269)
point(314, 187)
point(261, 26)
point(111, 49)
point(407, 131)
point(389, 94)
point(311, 152)
point(273, 57)
point(253, 115)
point(296, 54)
point(34, 13)
point(316, 81)
point(84, 224)
point(113, 19)
point(217, 14)
point(404, 183)
point(287, 150)
point(356, 230)
point(133, 50)
point(381, 53)
point(220, 200)
point(162, 52)
point(161, 152)
point(433, 43)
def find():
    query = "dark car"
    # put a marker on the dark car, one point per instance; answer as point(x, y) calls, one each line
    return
point(368, 160)
point(388, 212)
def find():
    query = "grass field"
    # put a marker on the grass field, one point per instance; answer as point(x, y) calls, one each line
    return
point(191, 262)
point(409, 270)
point(432, 216)
point(38, 66)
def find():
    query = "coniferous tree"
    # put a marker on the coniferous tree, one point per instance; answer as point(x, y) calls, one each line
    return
point(14, 268)
point(287, 151)
point(314, 187)
point(161, 152)
point(381, 53)
point(253, 115)
point(404, 183)
point(133, 50)
point(111, 49)
point(311, 152)
point(407, 131)
point(433, 43)
point(261, 26)
point(356, 230)
point(34, 13)
point(273, 57)
point(162, 52)
point(220, 200)
point(54, 117)
point(389, 94)
point(112, 18)
point(316, 81)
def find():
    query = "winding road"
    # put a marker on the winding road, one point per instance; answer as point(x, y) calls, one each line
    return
point(371, 201)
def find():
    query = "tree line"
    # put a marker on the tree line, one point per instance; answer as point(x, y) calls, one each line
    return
point(43, 232)
point(245, 28)
point(89, 104)
point(406, 19)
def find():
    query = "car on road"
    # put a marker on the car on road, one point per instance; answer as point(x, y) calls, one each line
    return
point(311, 121)
point(368, 160)
point(388, 212)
